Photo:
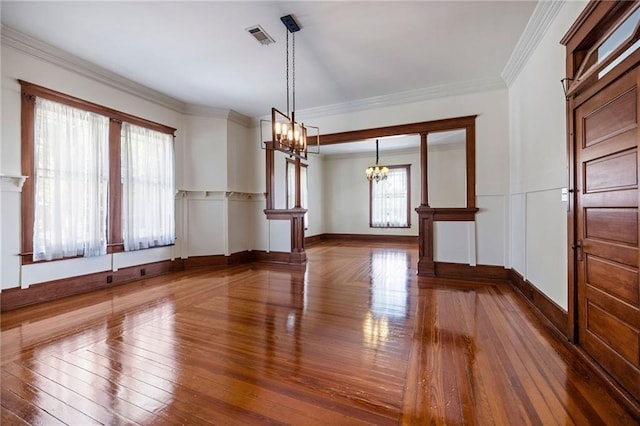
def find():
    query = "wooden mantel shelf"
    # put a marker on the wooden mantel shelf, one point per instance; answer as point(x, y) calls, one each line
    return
point(284, 214)
point(449, 214)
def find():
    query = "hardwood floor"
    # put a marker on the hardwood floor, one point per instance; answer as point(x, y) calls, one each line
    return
point(349, 340)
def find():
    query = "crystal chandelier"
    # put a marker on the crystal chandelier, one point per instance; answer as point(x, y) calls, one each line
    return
point(377, 172)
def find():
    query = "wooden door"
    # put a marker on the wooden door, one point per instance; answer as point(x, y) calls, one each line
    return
point(608, 295)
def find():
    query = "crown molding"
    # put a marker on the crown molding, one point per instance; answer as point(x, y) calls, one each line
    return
point(543, 15)
point(205, 111)
point(411, 96)
point(43, 51)
point(238, 118)
point(407, 97)
point(59, 57)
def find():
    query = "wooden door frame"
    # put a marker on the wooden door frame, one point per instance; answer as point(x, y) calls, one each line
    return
point(427, 215)
point(595, 21)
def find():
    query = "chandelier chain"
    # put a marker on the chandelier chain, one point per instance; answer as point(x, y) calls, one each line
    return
point(294, 71)
point(287, 70)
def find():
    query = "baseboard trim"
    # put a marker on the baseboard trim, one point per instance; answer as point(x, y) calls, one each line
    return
point(314, 239)
point(15, 298)
point(464, 272)
point(557, 316)
point(218, 260)
point(378, 238)
point(279, 257)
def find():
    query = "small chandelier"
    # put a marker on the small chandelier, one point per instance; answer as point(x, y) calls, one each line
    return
point(287, 134)
point(377, 172)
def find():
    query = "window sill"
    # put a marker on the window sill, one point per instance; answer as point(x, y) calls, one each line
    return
point(27, 258)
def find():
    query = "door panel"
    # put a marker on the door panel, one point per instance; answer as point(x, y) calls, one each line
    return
point(608, 293)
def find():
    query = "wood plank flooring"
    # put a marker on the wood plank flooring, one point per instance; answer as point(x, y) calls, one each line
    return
point(347, 340)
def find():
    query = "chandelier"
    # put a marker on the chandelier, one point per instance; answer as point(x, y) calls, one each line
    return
point(377, 172)
point(287, 134)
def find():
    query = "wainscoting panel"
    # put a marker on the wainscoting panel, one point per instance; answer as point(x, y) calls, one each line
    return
point(9, 234)
point(206, 229)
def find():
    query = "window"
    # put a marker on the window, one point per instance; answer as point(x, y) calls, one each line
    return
point(71, 174)
point(389, 199)
point(147, 187)
point(102, 181)
point(291, 188)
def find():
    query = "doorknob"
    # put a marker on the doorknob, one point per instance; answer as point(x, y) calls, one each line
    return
point(578, 248)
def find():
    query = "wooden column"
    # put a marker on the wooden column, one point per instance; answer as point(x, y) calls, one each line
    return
point(424, 167)
point(426, 264)
point(295, 216)
point(270, 180)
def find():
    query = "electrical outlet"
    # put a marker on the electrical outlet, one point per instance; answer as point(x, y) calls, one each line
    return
point(109, 279)
point(143, 272)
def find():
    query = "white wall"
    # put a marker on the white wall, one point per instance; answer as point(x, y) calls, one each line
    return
point(346, 198)
point(210, 162)
point(538, 163)
point(490, 245)
point(447, 174)
point(316, 195)
point(205, 154)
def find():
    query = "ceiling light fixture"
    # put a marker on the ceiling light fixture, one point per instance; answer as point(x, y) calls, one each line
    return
point(287, 134)
point(376, 172)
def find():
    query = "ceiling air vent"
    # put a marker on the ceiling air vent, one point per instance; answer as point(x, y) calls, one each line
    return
point(261, 35)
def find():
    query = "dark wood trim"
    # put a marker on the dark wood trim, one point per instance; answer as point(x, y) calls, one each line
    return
point(283, 214)
point(407, 168)
point(29, 93)
point(464, 272)
point(44, 292)
point(546, 307)
point(43, 92)
point(401, 129)
point(377, 238)
point(558, 322)
point(426, 265)
point(279, 257)
point(424, 171)
point(470, 152)
point(628, 401)
point(451, 214)
point(314, 239)
point(269, 175)
point(598, 20)
point(245, 256)
point(205, 261)
point(114, 218)
point(27, 128)
point(579, 24)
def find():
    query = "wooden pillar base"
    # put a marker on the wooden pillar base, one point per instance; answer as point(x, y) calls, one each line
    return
point(426, 263)
point(295, 216)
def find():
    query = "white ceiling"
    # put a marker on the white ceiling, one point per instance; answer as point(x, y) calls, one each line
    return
point(199, 52)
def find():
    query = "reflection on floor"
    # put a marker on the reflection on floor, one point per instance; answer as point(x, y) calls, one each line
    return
point(347, 340)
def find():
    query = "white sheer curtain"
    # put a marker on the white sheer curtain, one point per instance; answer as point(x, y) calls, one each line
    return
point(389, 200)
point(148, 188)
point(71, 174)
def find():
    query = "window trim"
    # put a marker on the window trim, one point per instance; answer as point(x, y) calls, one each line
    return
point(407, 168)
point(29, 92)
